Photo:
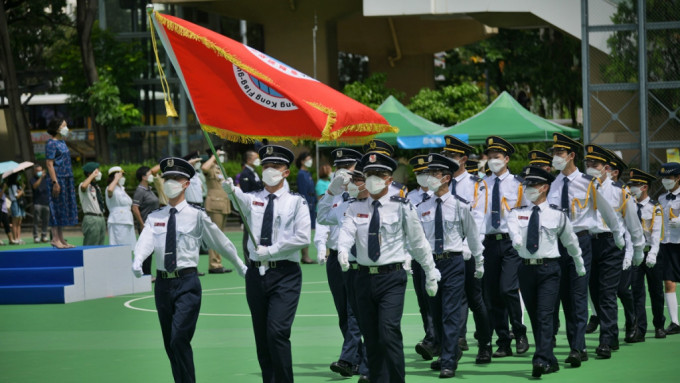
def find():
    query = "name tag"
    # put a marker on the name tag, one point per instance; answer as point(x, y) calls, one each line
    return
point(257, 203)
point(522, 217)
point(426, 213)
point(362, 215)
point(159, 224)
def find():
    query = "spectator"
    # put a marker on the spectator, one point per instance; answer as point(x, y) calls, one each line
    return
point(63, 209)
point(92, 203)
point(305, 185)
point(41, 205)
point(217, 206)
point(324, 180)
point(4, 213)
point(144, 201)
point(121, 224)
point(16, 195)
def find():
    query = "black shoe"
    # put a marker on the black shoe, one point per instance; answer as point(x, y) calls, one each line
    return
point(521, 344)
point(584, 356)
point(447, 373)
point(364, 379)
point(462, 344)
point(459, 355)
point(614, 346)
point(355, 369)
point(631, 332)
point(639, 337)
point(673, 329)
point(552, 368)
point(341, 367)
point(502, 352)
point(593, 324)
point(512, 335)
point(200, 274)
point(659, 333)
point(603, 351)
point(483, 355)
point(574, 359)
point(538, 370)
point(220, 270)
point(425, 350)
point(436, 365)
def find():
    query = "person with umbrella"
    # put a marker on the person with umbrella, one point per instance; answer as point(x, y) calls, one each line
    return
point(63, 208)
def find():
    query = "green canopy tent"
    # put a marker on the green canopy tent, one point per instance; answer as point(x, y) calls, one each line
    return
point(505, 117)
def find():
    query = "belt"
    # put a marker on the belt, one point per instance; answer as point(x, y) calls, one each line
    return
point(384, 269)
point(538, 261)
point(446, 255)
point(353, 265)
point(177, 273)
point(273, 264)
point(94, 214)
point(497, 237)
point(602, 235)
point(582, 233)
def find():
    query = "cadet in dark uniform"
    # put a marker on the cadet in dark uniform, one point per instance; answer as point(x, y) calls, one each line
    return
point(535, 230)
point(447, 221)
point(175, 233)
point(280, 223)
point(670, 244)
point(501, 286)
point(541, 159)
point(382, 227)
point(650, 214)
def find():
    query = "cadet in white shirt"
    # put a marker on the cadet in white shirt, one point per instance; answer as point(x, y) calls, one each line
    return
point(650, 214)
point(535, 230)
point(174, 233)
point(473, 189)
point(382, 147)
point(501, 286)
point(382, 227)
point(541, 159)
point(447, 222)
point(280, 222)
point(120, 222)
point(579, 194)
point(670, 244)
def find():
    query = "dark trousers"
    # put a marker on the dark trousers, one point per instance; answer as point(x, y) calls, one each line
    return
point(380, 299)
point(540, 286)
point(273, 300)
point(654, 278)
point(625, 295)
point(423, 304)
point(474, 300)
point(501, 288)
point(445, 308)
point(605, 274)
point(244, 242)
point(178, 302)
point(574, 295)
point(353, 315)
point(41, 219)
point(146, 265)
point(348, 325)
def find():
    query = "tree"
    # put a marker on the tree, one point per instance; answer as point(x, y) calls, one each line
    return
point(372, 91)
point(448, 105)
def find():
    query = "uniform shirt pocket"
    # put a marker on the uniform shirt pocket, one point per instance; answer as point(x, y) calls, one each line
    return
point(159, 233)
point(391, 225)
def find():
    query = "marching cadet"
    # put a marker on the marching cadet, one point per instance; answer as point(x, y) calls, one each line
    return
point(175, 233)
point(535, 230)
point(472, 166)
point(501, 286)
point(541, 159)
point(382, 147)
point(332, 207)
point(608, 257)
point(280, 223)
point(650, 214)
point(381, 227)
point(447, 221)
point(429, 346)
point(471, 188)
point(579, 194)
point(670, 243)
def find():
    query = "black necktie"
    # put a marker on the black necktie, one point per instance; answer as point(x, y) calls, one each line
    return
point(374, 233)
point(496, 204)
point(453, 186)
point(171, 243)
point(532, 233)
point(100, 199)
point(639, 212)
point(267, 221)
point(670, 196)
point(438, 228)
point(345, 196)
point(424, 197)
point(565, 194)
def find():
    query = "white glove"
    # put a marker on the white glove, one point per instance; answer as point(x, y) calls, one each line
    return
point(337, 185)
point(321, 255)
point(343, 260)
point(651, 260)
point(263, 253)
point(431, 285)
point(580, 267)
point(479, 267)
point(626, 263)
point(517, 245)
point(674, 222)
point(620, 241)
point(638, 256)
point(241, 270)
point(137, 269)
point(407, 265)
point(228, 185)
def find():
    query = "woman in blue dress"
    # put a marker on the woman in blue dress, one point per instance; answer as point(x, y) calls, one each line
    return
point(63, 208)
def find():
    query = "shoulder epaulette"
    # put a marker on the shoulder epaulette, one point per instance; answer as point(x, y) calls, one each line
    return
point(254, 191)
point(654, 202)
point(558, 208)
point(159, 209)
point(587, 176)
point(426, 198)
point(475, 177)
point(459, 198)
point(398, 185)
point(197, 207)
point(618, 184)
point(519, 179)
point(399, 199)
point(518, 207)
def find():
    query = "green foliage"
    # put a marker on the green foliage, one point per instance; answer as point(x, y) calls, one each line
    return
point(448, 105)
point(104, 99)
point(372, 91)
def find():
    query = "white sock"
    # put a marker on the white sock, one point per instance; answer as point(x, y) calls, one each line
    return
point(593, 311)
point(672, 303)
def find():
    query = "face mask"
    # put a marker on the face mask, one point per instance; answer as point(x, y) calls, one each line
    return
point(609, 175)
point(481, 164)
point(257, 162)
point(434, 183)
point(559, 163)
point(636, 191)
point(496, 165)
point(121, 181)
point(668, 183)
point(64, 131)
point(98, 177)
point(353, 190)
point(271, 176)
point(172, 188)
point(594, 172)
point(221, 158)
point(422, 180)
point(531, 194)
point(375, 184)
point(456, 161)
point(39, 174)
point(149, 179)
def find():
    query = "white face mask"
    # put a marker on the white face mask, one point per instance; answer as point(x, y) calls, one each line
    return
point(531, 194)
point(64, 131)
point(308, 163)
point(481, 164)
point(594, 172)
point(271, 176)
point(668, 183)
point(257, 162)
point(172, 188)
point(353, 190)
point(39, 174)
point(422, 179)
point(121, 181)
point(559, 163)
point(98, 177)
point(636, 191)
point(149, 179)
point(496, 165)
point(433, 183)
point(375, 184)
point(609, 175)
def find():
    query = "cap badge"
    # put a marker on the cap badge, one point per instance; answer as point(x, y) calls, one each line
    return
point(171, 163)
point(533, 156)
point(270, 150)
point(528, 171)
point(372, 145)
point(339, 153)
point(429, 159)
point(555, 138)
point(590, 149)
point(421, 161)
point(372, 158)
point(448, 141)
point(663, 170)
point(490, 141)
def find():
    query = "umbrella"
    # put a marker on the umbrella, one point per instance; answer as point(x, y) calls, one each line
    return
point(7, 165)
point(22, 166)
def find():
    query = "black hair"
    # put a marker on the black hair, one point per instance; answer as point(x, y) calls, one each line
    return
point(111, 177)
point(141, 172)
point(53, 126)
point(302, 156)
